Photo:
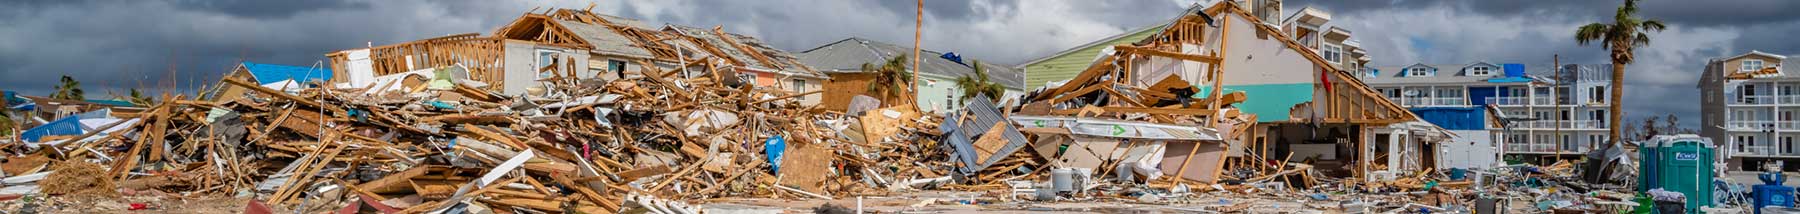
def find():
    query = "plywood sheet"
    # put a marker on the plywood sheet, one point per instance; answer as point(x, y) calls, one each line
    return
point(1203, 167)
point(1090, 152)
point(990, 142)
point(805, 165)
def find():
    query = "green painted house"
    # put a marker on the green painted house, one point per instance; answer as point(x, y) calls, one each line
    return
point(1064, 65)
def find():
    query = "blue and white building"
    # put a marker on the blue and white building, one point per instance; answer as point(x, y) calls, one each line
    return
point(1569, 107)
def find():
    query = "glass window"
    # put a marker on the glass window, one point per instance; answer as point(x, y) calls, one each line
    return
point(1481, 71)
point(1751, 65)
point(1418, 72)
point(546, 58)
point(1597, 94)
point(1333, 53)
point(799, 86)
point(615, 65)
point(747, 78)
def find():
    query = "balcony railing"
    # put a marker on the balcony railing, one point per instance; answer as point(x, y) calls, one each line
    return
point(1787, 125)
point(1763, 150)
point(1509, 101)
point(1429, 101)
point(1566, 124)
point(1754, 99)
point(1752, 125)
point(1542, 148)
point(1544, 101)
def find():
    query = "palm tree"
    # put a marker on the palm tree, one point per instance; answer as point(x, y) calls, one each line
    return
point(1627, 32)
point(68, 90)
point(138, 98)
point(6, 124)
point(978, 84)
point(891, 78)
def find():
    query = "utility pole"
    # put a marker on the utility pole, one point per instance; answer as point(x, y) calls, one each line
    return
point(918, 27)
point(1556, 103)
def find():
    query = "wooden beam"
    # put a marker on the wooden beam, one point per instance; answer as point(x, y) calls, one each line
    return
point(1154, 52)
point(1164, 111)
point(1104, 66)
point(272, 92)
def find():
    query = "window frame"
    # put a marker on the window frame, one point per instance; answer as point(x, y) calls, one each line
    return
point(799, 85)
point(540, 61)
point(1481, 71)
point(747, 77)
point(1332, 52)
point(1418, 72)
point(1744, 66)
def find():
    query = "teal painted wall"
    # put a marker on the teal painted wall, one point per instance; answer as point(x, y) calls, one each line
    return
point(1269, 102)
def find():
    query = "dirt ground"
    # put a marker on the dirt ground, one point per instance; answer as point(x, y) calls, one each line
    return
point(152, 204)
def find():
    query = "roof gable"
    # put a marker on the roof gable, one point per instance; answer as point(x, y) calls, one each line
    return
point(1492, 68)
point(1755, 52)
point(1406, 71)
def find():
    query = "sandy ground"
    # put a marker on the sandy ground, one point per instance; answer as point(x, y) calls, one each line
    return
point(123, 205)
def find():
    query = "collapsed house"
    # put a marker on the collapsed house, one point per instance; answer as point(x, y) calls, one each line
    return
point(1228, 60)
point(558, 47)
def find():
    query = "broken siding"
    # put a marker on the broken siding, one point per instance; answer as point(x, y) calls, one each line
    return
point(1274, 76)
point(1065, 66)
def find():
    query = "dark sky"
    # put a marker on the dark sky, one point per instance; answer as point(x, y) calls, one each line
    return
point(153, 44)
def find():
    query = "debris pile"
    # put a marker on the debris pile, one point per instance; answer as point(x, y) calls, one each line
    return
point(432, 140)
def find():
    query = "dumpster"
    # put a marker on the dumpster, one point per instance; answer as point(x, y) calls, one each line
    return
point(1678, 163)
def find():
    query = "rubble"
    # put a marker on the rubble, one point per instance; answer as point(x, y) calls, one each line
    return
point(682, 138)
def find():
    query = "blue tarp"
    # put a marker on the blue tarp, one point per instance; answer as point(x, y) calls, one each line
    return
point(1513, 69)
point(12, 98)
point(70, 125)
point(1479, 95)
point(271, 73)
point(1454, 118)
point(1514, 72)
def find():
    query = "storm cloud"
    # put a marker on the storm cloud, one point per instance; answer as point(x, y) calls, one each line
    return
point(184, 44)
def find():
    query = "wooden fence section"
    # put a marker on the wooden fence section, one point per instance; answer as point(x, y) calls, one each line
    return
point(484, 56)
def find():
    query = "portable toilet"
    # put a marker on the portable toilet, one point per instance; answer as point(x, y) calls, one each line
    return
point(1679, 163)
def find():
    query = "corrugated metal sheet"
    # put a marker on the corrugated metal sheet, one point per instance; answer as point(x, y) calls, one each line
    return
point(964, 151)
point(65, 126)
point(986, 116)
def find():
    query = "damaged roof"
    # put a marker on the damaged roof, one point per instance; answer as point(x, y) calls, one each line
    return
point(849, 54)
point(729, 44)
point(604, 39)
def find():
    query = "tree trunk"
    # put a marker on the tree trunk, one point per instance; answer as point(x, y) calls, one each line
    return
point(1618, 89)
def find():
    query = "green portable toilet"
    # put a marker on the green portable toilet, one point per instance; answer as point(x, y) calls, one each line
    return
point(1678, 163)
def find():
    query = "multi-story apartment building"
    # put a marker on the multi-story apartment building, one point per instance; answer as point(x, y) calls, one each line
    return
point(1568, 106)
point(1749, 104)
